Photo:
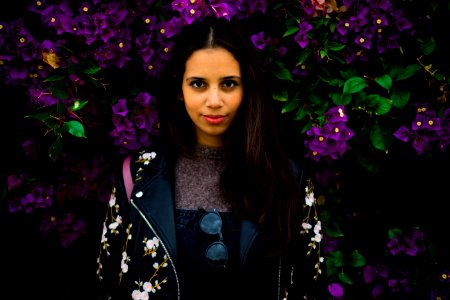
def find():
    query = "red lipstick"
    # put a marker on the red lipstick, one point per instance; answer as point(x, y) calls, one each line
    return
point(214, 119)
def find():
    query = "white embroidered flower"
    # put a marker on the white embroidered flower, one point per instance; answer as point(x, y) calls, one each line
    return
point(153, 243)
point(145, 296)
point(309, 199)
point(112, 199)
point(148, 287)
point(147, 157)
point(150, 245)
point(318, 227)
point(105, 230)
point(123, 263)
point(113, 226)
point(318, 238)
point(306, 226)
point(157, 285)
point(136, 295)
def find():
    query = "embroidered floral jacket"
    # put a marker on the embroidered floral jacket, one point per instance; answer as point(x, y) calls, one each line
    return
point(138, 258)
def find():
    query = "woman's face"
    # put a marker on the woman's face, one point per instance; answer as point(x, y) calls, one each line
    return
point(212, 92)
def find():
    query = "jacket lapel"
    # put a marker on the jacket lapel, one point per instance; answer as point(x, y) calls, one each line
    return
point(156, 201)
point(249, 232)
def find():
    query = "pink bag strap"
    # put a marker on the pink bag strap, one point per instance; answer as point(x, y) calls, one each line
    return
point(126, 172)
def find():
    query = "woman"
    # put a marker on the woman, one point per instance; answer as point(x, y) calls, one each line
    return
point(216, 207)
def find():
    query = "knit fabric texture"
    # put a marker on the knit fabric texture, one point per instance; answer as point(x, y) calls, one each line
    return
point(197, 180)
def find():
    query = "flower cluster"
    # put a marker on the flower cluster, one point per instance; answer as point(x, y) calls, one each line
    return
point(134, 129)
point(330, 140)
point(428, 128)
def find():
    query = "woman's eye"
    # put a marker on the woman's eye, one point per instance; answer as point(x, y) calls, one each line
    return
point(197, 84)
point(229, 83)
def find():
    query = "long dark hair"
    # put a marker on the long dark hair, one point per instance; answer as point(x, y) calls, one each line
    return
point(258, 180)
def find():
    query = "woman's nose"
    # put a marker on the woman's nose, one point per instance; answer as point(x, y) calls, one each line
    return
point(214, 98)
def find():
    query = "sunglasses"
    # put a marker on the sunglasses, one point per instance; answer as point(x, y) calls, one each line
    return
point(216, 253)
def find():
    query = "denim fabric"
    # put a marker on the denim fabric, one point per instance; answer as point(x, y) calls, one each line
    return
point(199, 279)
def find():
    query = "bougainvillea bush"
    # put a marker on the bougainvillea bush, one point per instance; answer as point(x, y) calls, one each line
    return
point(361, 88)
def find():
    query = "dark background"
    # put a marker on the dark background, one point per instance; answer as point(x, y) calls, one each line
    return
point(409, 190)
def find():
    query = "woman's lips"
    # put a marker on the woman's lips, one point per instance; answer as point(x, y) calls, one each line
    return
point(214, 119)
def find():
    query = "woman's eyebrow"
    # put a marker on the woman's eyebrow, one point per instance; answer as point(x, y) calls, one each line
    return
point(222, 78)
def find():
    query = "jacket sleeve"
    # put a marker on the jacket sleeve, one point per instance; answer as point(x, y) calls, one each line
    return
point(112, 260)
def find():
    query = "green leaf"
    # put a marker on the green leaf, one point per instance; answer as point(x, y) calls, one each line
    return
point(380, 105)
point(281, 72)
point(427, 46)
point(91, 68)
point(400, 97)
point(78, 104)
point(281, 96)
point(354, 85)
point(55, 149)
point(315, 99)
point(344, 99)
point(334, 46)
point(333, 230)
point(357, 260)
point(304, 56)
point(336, 259)
point(301, 114)
point(75, 128)
point(384, 81)
point(59, 90)
point(323, 53)
point(55, 77)
point(344, 278)
point(406, 72)
point(42, 116)
point(394, 232)
point(290, 106)
point(290, 30)
point(377, 139)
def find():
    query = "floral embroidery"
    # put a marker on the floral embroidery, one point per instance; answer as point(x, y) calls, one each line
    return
point(311, 221)
point(113, 222)
point(113, 226)
point(144, 158)
point(147, 287)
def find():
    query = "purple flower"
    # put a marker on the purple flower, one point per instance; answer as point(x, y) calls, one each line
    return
point(120, 108)
point(301, 37)
point(258, 40)
point(336, 290)
point(402, 134)
point(169, 28)
point(223, 10)
point(373, 272)
point(378, 291)
point(14, 181)
point(143, 99)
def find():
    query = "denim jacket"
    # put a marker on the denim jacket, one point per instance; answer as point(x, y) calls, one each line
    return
point(138, 257)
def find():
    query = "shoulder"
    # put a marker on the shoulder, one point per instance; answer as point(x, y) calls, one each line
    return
point(150, 159)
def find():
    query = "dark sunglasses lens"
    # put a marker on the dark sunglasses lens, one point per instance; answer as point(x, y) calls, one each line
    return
point(211, 223)
point(217, 254)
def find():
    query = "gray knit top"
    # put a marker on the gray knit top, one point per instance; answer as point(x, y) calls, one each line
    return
point(197, 180)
